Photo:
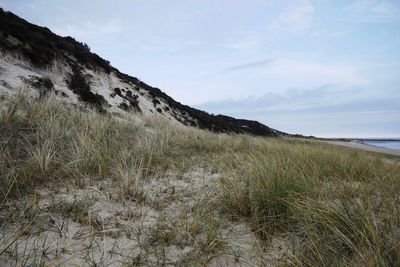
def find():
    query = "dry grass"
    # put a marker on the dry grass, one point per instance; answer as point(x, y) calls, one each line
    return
point(331, 205)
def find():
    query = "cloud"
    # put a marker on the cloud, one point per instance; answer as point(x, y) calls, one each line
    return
point(288, 100)
point(375, 11)
point(327, 110)
point(297, 17)
point(325, 35)
point(247, 43)
point(251, 65)
point(314, 73)
point(302, 73)
point(90, 30)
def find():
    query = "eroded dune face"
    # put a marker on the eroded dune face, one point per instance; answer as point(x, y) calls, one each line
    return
point(35, 60)
point(82, 85)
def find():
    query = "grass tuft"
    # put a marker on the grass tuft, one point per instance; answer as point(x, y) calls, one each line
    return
point(340, 205)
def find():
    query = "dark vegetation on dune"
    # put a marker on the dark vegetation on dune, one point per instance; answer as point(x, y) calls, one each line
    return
point(41, 47)
point(78, 84)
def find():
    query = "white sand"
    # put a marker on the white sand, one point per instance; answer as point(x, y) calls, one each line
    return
point(128, 227)
point(355, 144)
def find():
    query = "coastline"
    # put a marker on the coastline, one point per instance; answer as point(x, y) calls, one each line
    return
point(359, 145)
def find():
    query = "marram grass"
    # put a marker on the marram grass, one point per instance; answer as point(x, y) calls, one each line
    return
point(342, 206)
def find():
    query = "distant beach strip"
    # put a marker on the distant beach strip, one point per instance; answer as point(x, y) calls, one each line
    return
point(388, 144)
point(380, 146)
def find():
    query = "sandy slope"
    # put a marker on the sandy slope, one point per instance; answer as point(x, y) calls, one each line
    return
point(354, 144)
point(79, 226)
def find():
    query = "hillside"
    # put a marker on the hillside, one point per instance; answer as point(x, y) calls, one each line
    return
point(33, 57)
point(81, 188)
point(92, 174)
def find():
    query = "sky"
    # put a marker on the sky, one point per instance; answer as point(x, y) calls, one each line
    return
point(323, 68)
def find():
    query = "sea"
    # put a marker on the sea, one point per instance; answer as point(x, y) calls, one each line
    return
point(390, 144)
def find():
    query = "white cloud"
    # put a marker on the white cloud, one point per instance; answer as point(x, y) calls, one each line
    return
point(250, 65)
point(314, 73)
point(297, 17)
point(89, 30)
point(375, 10)
point(246, 44)
point(334, 35)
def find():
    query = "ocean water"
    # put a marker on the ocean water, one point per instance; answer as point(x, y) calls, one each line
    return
point(383, 143)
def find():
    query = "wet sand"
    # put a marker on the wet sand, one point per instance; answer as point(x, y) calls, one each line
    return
point(355, 144)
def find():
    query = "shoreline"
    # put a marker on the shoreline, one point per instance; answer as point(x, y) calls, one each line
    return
point(359, 145)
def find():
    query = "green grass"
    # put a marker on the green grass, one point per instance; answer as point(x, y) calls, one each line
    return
point(342, 205)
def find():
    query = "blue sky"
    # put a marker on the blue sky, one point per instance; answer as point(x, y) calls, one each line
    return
point(326, 68)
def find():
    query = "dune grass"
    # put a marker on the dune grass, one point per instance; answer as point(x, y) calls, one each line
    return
point(340, 206)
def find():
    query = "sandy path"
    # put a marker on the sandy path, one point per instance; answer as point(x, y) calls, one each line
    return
point(354, 144)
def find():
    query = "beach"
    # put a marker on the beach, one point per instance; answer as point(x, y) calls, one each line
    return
point(355, 144)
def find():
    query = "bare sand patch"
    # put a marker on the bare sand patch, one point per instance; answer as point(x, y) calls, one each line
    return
point(172, 225)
